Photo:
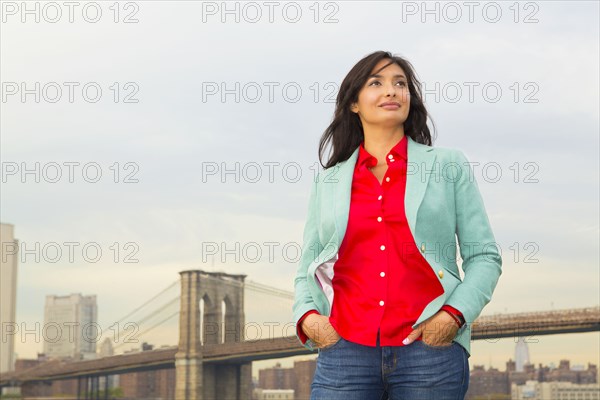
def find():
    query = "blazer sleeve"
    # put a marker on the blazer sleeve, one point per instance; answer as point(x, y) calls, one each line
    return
point(482, 262)
point(303, 300)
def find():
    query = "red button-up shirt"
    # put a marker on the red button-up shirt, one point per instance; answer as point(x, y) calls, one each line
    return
point(381, 281)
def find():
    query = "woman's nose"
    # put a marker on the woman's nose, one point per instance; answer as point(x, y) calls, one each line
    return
point(391, 90)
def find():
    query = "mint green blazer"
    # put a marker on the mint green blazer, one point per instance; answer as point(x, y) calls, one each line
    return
point(442, 203)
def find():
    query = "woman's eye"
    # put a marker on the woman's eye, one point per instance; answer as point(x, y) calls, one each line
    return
point(402, 83)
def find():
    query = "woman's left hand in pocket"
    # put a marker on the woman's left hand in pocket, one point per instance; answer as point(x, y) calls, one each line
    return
point(438, 330)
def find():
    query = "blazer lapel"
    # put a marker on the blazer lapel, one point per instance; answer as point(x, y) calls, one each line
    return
point(421, 160)
point(341, 195)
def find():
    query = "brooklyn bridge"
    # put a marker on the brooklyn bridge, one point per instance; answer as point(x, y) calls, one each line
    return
point(213, 358)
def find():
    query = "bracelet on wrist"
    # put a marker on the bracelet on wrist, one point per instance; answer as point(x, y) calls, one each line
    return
point(455, 318)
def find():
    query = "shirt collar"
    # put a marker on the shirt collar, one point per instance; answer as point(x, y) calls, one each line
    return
point(400, 150)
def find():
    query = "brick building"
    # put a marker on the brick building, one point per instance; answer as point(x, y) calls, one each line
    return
point(276, 378)
point(482, 382)
point(298, 378)
point(64, 387)
point(304, 371)
point(158, 384)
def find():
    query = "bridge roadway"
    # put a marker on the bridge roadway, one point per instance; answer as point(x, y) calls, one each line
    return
point(485, 327)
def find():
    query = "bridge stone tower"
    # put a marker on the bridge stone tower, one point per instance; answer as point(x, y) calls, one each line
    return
point(212, 308)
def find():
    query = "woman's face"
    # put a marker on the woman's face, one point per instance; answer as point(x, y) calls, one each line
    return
point(388, 85)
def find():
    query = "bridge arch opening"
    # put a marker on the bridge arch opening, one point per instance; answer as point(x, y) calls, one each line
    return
point(205, 306)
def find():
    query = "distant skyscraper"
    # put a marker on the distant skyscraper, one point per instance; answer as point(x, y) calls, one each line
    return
point(8, 295)
point(70, 327)
point(521, 354)
point(106, 348)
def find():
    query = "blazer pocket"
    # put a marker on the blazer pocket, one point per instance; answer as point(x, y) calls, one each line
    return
point(454, 274)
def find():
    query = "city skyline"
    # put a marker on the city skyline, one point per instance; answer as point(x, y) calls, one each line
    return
point(488, 343)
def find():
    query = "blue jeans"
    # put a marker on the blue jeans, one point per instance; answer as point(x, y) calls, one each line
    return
point(351, 371)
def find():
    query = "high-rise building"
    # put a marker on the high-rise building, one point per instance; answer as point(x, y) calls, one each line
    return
point(8, 295)
point(70, 327)
point(105, 349)
point(521, 354)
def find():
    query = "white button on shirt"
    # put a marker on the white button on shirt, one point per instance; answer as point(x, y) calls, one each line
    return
point(387, 179)
point(382, 247)
point(379, 219)
point(382, 274)
point(381, 303)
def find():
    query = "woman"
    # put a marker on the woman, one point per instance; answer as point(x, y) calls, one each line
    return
point(378, 291)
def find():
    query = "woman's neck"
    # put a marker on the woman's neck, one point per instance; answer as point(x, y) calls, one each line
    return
point(379, 143)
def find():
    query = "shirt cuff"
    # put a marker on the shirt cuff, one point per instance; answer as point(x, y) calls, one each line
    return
point(455, 312)
point(452, 310)
point(301, 335)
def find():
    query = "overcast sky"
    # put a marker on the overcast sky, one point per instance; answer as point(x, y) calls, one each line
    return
point(164, 105)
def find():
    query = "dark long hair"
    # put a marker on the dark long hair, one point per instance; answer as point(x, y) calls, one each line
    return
point(346, 132)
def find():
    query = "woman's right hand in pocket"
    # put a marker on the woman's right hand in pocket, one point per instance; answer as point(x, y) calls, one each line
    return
point(319, 330)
